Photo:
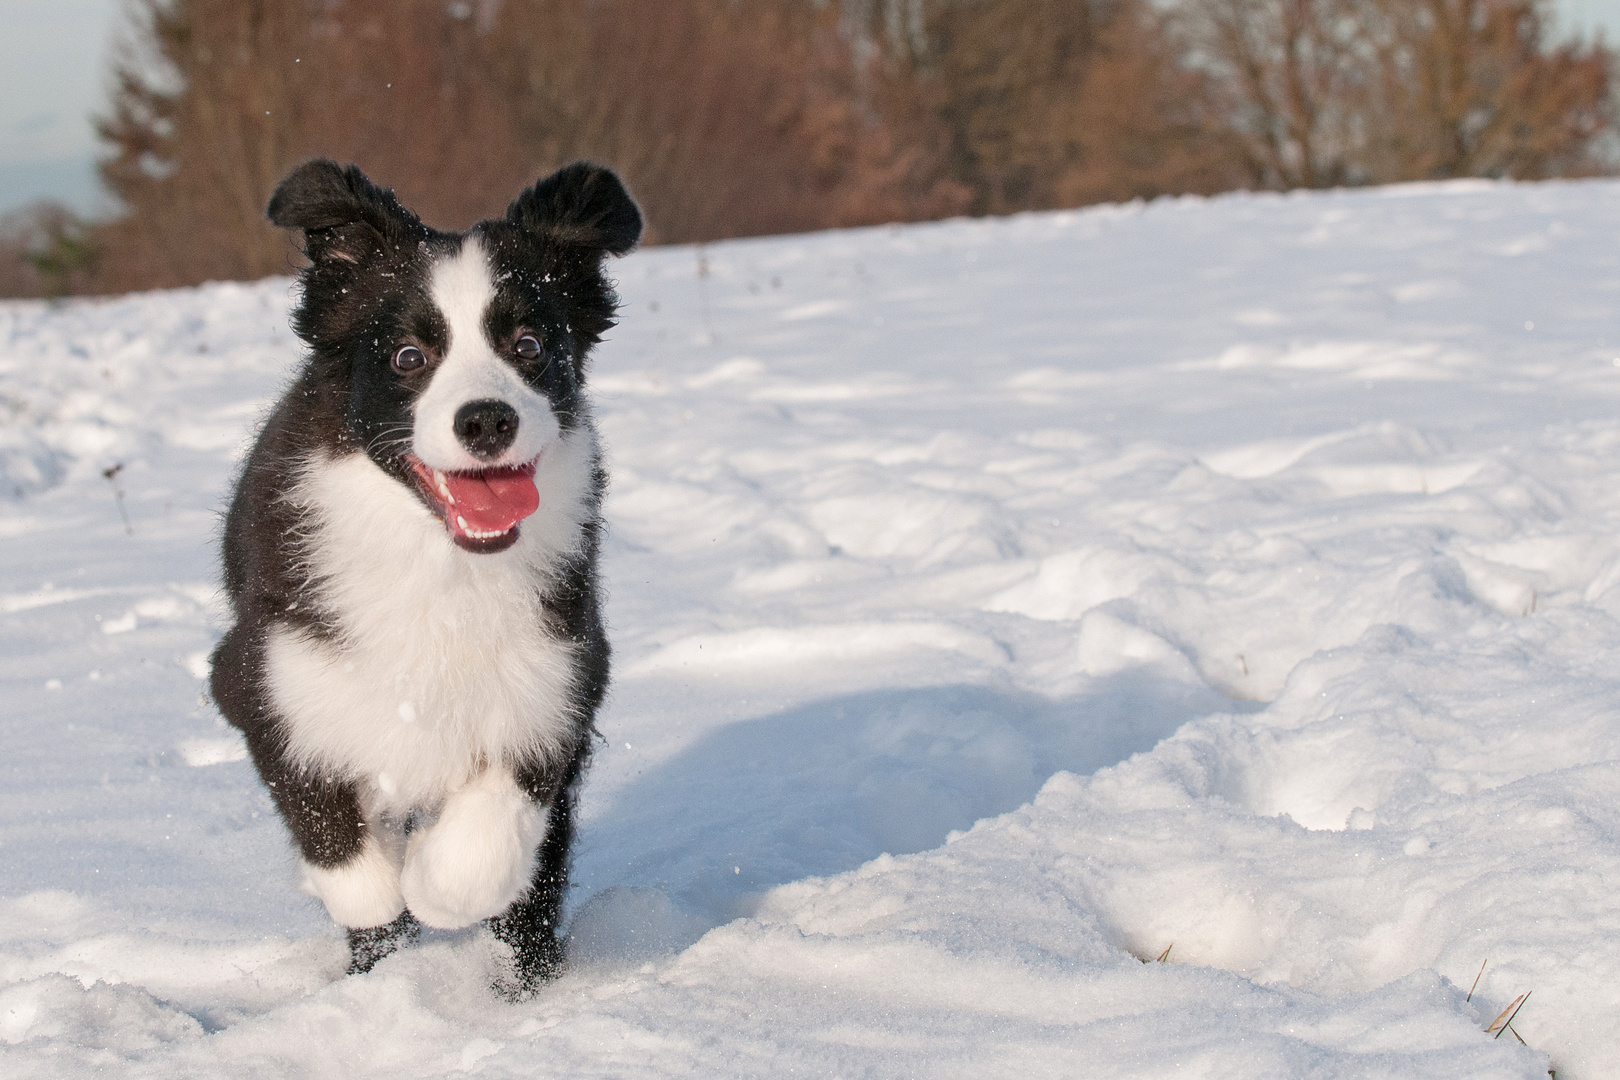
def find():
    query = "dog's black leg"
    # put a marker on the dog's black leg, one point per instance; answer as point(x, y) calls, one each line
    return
point(370, 945)
point(530, 926)
point(537, 954)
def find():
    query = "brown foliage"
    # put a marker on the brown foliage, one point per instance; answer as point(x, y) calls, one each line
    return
point(726, 119)
point(1470, 88)
point(742, 117)
point(248, 88)
point(1048, 103)
point(1324, 92)
point(1285, 78)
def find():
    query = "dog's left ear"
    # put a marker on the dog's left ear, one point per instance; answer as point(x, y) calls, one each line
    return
point(581, 206)
point(343, 215)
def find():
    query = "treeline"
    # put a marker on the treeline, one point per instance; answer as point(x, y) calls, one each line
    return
point(743, 117)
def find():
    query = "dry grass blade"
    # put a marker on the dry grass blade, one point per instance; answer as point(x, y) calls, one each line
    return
point(1471, 989)
point(1166, 954)
point(1502, 1016)
point(1505, 1017)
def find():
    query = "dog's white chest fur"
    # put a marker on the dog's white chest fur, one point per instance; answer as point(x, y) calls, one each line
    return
point(443, 664)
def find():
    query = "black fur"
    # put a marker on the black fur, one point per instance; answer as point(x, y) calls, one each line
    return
point(363, 292)
point(371, 944)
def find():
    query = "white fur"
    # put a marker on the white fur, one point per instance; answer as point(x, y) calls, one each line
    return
point(442, 664)
point(462, 287)
point(365, 890)
point(477, 857)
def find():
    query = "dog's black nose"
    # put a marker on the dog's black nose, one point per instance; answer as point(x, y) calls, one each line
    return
point(486, 427)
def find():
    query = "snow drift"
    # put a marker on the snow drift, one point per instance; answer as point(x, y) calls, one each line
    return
point(997, 605)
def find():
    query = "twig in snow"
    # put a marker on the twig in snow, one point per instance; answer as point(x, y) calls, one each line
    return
point(1166, 954)
point(118, 495)
point(703, 291)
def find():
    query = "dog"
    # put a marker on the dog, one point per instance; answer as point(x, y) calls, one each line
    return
point(417, 653)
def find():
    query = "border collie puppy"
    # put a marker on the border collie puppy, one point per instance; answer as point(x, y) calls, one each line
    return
point(410, 556)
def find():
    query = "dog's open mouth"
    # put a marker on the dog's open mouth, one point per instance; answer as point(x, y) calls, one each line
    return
point(481, 509)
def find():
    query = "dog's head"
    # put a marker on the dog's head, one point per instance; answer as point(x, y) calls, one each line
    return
point(454, 360)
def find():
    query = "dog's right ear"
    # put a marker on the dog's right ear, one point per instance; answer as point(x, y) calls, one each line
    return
point(343, 215)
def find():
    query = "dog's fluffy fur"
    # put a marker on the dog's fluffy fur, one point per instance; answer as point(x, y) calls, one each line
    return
point(417, 689)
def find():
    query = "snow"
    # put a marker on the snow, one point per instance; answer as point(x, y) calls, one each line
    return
point(997, 604)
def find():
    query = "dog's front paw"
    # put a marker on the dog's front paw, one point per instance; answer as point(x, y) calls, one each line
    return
point(477, 858)
point(363, 892)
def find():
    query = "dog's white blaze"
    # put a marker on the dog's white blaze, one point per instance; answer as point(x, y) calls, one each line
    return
point(365, 890)
point(477, 857)
point(441, 666)
point(462, 286)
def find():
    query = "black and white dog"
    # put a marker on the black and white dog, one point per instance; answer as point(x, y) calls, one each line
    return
point(410, 556)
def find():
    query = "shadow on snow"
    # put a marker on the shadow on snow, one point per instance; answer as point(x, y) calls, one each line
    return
point(826, 786)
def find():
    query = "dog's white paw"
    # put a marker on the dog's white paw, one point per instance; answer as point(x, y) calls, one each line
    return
point(365, 890)
point(477, 858)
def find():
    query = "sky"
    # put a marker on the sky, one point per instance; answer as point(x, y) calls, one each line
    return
point(53, 58)
point(53, 54)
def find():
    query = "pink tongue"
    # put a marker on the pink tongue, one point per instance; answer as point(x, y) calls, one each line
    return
point(492, 501)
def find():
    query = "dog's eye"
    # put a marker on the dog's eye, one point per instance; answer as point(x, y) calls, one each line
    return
point(408, 358)
point(527, 347)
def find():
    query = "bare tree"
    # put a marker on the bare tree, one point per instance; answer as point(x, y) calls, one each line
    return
point(1290, 78)
point(741, 117)
point(215, 99)
point(727, 118)
point(1472, 88)
point(1057, 102)
point(1325, 92)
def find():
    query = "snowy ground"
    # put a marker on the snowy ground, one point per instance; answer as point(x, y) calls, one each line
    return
point(996, 603)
